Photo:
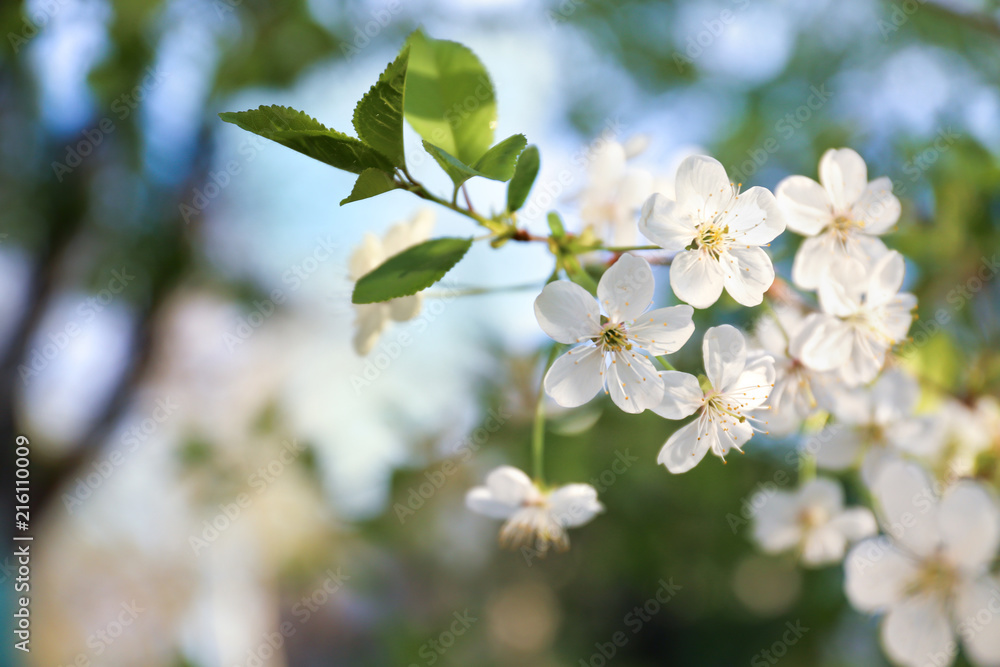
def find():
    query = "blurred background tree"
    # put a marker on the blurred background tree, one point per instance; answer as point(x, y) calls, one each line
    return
point(114, 161)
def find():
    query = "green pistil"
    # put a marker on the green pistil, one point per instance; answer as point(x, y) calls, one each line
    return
point(614, 339)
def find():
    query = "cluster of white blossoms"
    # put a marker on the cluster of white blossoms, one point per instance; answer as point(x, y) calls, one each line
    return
point(817, 370)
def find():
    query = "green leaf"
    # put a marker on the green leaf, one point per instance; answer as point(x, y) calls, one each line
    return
point(455, 168)
point(556, 225)
point(524, 177)
point(410, 271)
point(449, 98)
point(308, 136)
point(370, 183)
point(499, 162)
point(378, 118)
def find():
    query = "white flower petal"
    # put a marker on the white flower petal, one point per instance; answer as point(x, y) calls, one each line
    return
point(823, 493)
point(682, 395)
point(481, 501)
point(824, 343)
point(877, 207)
point(754, 217)
point(370, 319)
point(731, 434)
point(575, 377)
point(725, 354)
point(877, 574)
point(696, 278)
point(909, 508)
point(684, 449)
point(664, 225)
point(636, 186)
point(776, 525)
point(885, 279)
point(506, 490)
point(898, 316)
point(861, 247)
point(813, 259)
point(867, 357)
point(703, 186)
point(607, 163)
point(805, 203)
point(977, 617)
point(844, 175)
point(836, 447)
point(406, 307)
point(916, 632)
point(406, 234)
point(567, 312)
point(893, 397)
point(855, 523)
point(751, 389)
point(574, 504)
point(366, 256)
point(841, 290)
point(747, 273)
point(626, 289)
point(664, 330)
point(970, 525)
point(823, 545)
point(634, 384)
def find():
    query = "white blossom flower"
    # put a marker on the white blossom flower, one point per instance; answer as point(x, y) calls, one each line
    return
point(535, 518)
point(811, 520)
point(798, 390)
point(735, 386)
point(716, 232)
point(873, 426)
point(614, 192)
point(930, 576)
point(954, 437)
point(610, 355)
point(843, 217)
point(372, 318)
point(863, 316)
